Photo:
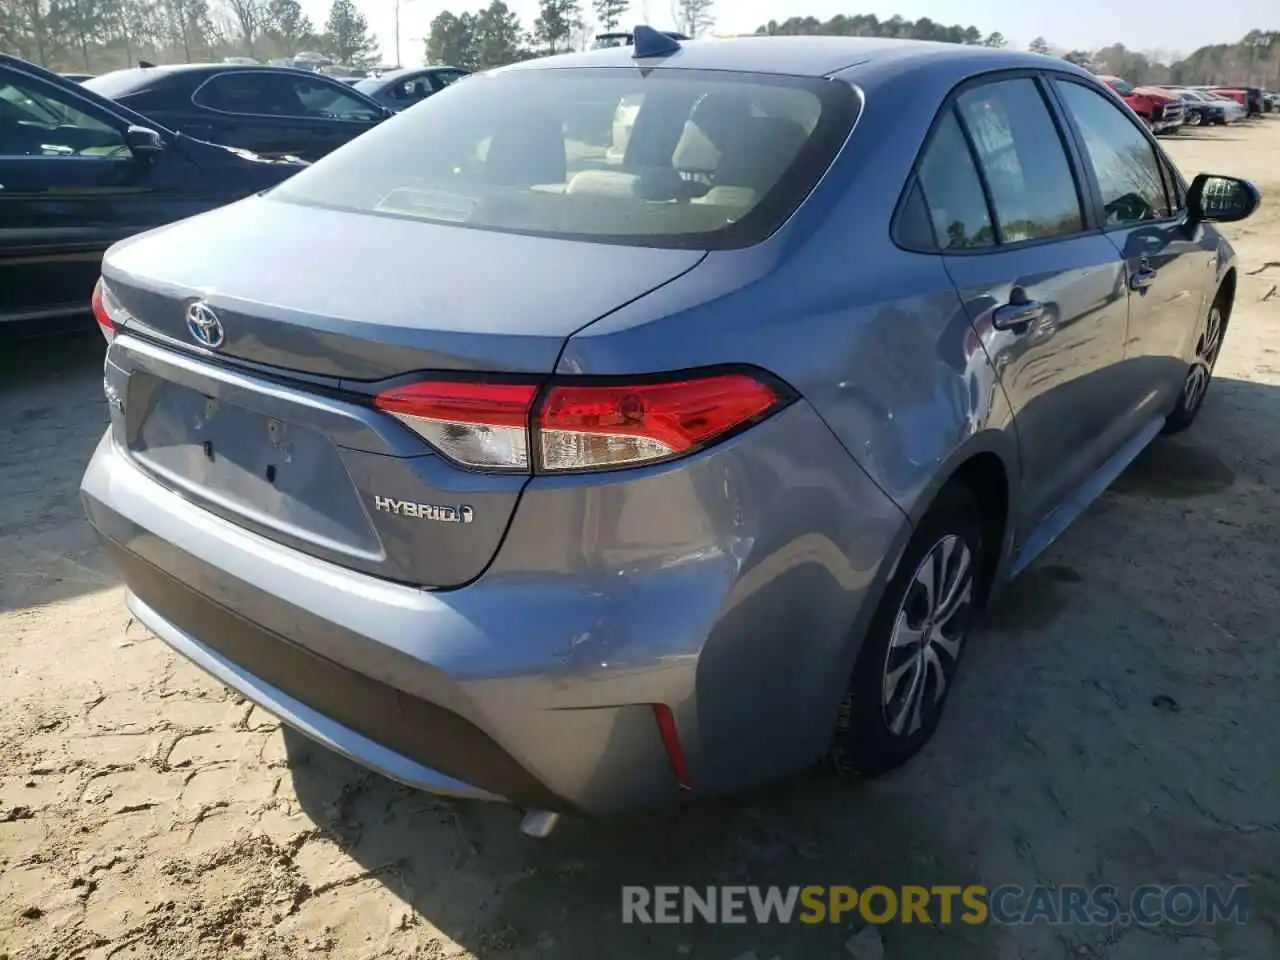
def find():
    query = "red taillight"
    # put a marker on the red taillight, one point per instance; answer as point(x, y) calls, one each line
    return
point(579, 425)
point(585, 427)
point(105, 323)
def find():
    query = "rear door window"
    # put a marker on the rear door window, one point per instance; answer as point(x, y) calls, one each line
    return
point(329, 100)
point(272, 94)
point(672, 158)
point(1033, 191)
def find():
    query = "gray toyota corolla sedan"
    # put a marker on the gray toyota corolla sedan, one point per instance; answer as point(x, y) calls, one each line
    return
point(650, 422)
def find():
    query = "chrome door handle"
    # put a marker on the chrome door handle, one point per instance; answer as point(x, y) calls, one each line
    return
point(1013, 315)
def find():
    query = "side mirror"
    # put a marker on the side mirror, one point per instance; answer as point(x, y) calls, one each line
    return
point(1217, 199)
point(143, 142)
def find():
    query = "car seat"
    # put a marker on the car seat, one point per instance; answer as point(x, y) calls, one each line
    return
point(527, 149)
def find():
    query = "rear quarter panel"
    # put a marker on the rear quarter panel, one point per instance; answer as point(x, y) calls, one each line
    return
point(878, 344)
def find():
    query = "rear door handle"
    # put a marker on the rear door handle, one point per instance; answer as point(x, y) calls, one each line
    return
point(1140, 280)
point(1014, 315)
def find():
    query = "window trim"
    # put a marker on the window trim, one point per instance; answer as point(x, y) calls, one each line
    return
point(1066, 137)
point(997, 231)
point(1095, 189)
point(276, 72)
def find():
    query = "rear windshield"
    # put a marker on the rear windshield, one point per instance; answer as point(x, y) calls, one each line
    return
point(120, 83)
point(677, 158)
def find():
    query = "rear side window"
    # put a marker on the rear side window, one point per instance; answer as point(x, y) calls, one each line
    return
point(676, 158)
point(121, 83)
point(1122, 158)
point(953, 191)
point(1021, 154)
point(262, 93)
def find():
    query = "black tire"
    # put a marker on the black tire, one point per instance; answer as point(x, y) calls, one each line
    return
point(1200, 372)
point(866, 742)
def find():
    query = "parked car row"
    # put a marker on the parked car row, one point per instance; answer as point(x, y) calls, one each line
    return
point(1205, 108)
point(1165, 107)
point(167, 142)
point(1253, 100)
point(273, 111)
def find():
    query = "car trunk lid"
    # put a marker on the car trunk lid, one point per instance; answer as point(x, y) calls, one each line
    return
point(367, 296)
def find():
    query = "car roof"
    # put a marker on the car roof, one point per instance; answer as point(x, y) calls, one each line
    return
point(391, 76)
point(186, 76)
point(201, 69)
point(800, 56)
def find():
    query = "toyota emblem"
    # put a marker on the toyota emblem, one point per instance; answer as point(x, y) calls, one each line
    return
point(205, 327)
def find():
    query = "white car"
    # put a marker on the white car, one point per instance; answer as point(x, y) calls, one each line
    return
point(1234, 110)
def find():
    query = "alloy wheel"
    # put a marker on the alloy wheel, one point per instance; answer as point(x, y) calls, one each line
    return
point(927, 635)
point(1206, 356)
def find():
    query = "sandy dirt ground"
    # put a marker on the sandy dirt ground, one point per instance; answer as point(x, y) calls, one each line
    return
point(1115, 723)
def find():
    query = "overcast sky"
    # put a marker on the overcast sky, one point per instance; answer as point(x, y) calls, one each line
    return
point(1169, 26)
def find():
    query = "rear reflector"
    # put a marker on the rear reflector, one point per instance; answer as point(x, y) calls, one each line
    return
point(670, 735)
point(578, 425)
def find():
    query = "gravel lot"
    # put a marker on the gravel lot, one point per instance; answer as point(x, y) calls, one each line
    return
point(1115, 723)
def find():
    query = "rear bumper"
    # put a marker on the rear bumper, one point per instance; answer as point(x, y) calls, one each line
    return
point(301, 716)
point(536, 684)
point(398, 679)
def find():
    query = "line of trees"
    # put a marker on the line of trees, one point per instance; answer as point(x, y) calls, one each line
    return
point(1254, 60)
point(99, 35)
point(495, 35)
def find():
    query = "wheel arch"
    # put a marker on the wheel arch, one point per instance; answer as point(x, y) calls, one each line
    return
point(987, 464)
point(1226, 294)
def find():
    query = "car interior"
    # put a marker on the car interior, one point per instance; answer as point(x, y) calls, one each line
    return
point(32, 125)
point(721, 150)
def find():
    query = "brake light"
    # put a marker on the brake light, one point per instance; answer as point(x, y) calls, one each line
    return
point(97, 302)
point(579, 425)
point(586, 427)
point(108, 311)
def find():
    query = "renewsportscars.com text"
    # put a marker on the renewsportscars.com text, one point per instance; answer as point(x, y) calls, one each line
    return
point(1149, 904)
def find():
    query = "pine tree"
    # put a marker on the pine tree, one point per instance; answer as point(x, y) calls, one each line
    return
point(609, 12)
point(555, 23)
point(694, 16)
point(346, 34)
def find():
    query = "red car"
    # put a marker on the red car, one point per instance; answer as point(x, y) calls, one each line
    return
point(1239, 96)
point(1159, 109)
